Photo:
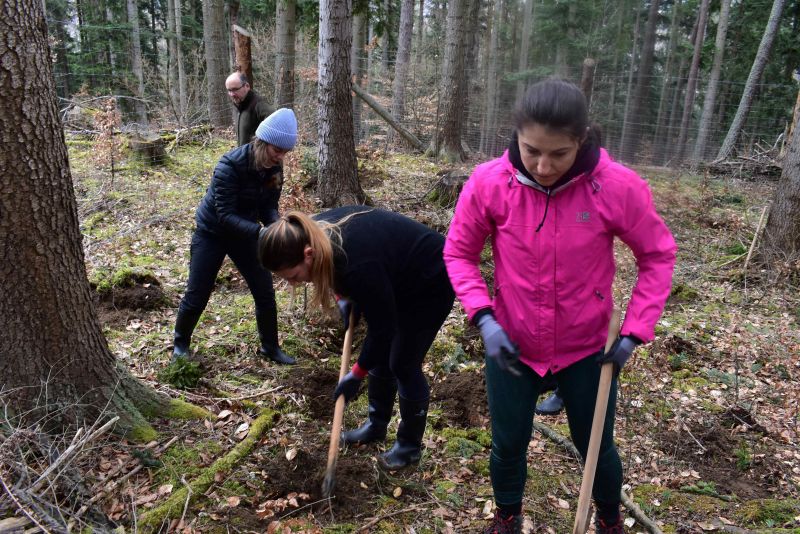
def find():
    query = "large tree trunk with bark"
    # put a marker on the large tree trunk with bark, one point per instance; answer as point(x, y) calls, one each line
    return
point(638, 111)
point(215, 39)
point(136, 62)
point(183, 89)
point(710, 101)
point(782, 233)
point(691, 83)
point(446, 142)
point(401, 63)
point(284, 59)
point(358, 64)
point(667, 80)
point(54, 355)
point(626, 117)
point(337, 184)
point(522, 64)
point(756, 71)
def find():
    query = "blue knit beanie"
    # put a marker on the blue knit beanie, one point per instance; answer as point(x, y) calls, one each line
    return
point(279, 129)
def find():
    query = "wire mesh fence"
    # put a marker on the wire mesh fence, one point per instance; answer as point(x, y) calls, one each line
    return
point(487, 116)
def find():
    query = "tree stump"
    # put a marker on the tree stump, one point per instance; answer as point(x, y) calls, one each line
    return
point(149, 146)
point(446, 191)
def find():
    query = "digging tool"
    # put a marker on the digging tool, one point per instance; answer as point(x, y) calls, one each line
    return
point(606, 374)
point(338, 413)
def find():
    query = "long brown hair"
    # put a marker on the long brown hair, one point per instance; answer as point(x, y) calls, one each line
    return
point(261, 160)
point(282, 245)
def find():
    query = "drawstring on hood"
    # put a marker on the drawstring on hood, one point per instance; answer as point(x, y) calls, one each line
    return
point(585, 161)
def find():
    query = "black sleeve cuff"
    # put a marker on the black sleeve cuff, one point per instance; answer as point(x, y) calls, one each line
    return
point(480, 313)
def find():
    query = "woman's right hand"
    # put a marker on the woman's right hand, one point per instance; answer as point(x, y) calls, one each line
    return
point(498, 345)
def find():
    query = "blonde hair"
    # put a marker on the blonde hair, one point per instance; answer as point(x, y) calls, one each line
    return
point(261, 160)
point(282, 245)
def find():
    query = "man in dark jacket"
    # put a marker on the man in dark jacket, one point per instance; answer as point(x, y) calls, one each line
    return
point(252, 109)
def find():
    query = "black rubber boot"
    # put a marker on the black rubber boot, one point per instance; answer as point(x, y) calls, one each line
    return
point(551, 405)
point(268, 334)
point(407, 449)
point(381, 392)
point(184, 326)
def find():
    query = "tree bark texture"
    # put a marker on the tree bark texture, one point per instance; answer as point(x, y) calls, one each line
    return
point(782, 232)
point(489, 133)
point(243, 55)
point(358, 64)
point(524, 47)
point(668, 77)
point(284, 59)
point(691, 82)
point(626, 117)
point(338, 173)
point(710, 99)
point(172, 60)
point(136, 62)
point(54, 355)
point(447, 139)
point(759, 63)
point(183, 89)
point(216, 51)
point(401, 63)
point(638, 113)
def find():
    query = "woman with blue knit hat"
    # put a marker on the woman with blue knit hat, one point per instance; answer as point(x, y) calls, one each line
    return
point(243, 196)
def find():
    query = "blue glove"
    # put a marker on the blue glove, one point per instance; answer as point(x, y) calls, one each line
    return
point(497, 344)
point(345, 307)
point(348, 386)
point(620, 351)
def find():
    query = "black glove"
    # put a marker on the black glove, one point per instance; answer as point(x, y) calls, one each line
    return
point(620, 351)
point(345, 307)
point(497, 344)
point(347, 386)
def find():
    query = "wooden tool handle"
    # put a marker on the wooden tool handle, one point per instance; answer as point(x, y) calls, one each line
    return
point(598, 422)
point(338, 411)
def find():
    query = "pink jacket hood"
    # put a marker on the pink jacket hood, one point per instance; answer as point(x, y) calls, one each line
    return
point(553, 287)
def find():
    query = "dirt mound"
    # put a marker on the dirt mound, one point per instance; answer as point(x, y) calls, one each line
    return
point(115, 305)
point(463, 399)
point(317, 386)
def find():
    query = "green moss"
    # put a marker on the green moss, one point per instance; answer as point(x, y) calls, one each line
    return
point(760, 512)
point(481, 466)
point(482, 437)
point(142, 434)
point(443, 488)
point(179, 409)
point(683, 293)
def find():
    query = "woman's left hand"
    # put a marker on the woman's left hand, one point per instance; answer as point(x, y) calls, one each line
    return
point(348, 386)
point(620, 351)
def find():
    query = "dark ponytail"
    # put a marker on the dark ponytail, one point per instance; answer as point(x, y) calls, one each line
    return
point(557, 105)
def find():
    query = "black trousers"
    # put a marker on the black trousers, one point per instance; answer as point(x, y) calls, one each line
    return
point(420, 319)
point(208, 250)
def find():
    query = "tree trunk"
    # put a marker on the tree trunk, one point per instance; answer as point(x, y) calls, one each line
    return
point(183, 89)
point(781, 241)
point(136, 62)
point(172, 64)
point(638, 112)
point(522, 64)
point(658, 137)
point(55, 358)
point(242, 53)
point(446, 143)
point(401, 63)
point(358, 62)
point(489, 49)
point(471, 45)
point(284, 59)
point(629, 89)
point(386, 41)
point(709, 103)
point(587, 79)
point(420, 25)
point(756, 71)
point(337, 183)
point(691, 83)
point(215, 39)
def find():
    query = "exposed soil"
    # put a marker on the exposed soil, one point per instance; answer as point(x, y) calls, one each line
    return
point(119, 305)
point(463, 399)
point(711, 449)
point(317, 386)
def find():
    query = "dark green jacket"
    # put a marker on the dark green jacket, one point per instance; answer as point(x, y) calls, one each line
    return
point(252, 111)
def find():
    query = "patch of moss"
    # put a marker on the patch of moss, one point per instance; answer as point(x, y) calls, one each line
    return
point(142, 434)
point(683, 293)
point(481, 466)
point(482, 437)
point(443, 488)
point(179, 409)
point(767, 512)
point(184, 460)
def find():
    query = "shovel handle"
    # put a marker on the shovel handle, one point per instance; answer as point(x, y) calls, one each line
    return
point(598, 422)
point(338, 411)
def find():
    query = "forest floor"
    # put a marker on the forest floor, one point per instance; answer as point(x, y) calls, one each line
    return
point(708, 414)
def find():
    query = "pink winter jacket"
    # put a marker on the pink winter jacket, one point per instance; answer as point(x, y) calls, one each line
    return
point(552, 289)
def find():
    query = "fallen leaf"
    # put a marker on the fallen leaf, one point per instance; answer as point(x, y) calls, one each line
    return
point(363, 486)
point(241, 430)
point(223, 414)
point(291, 453)
point(233, 501)
point(397, 491)
point(165, 489)
point(563, 504)
point(488, 506)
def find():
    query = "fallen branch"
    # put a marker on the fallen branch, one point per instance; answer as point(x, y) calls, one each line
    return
point(174, 505)
point(755, 238)
point(636, 512)
point(21, 508)
point(375, 520)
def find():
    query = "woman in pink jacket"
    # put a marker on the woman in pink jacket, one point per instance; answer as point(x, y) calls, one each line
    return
point(552, 205)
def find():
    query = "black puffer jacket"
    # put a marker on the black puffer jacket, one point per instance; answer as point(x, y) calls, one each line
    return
point(239, 196)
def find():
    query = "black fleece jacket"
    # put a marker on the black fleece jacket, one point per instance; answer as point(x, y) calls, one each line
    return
point(239, 196)
point(385, 262)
